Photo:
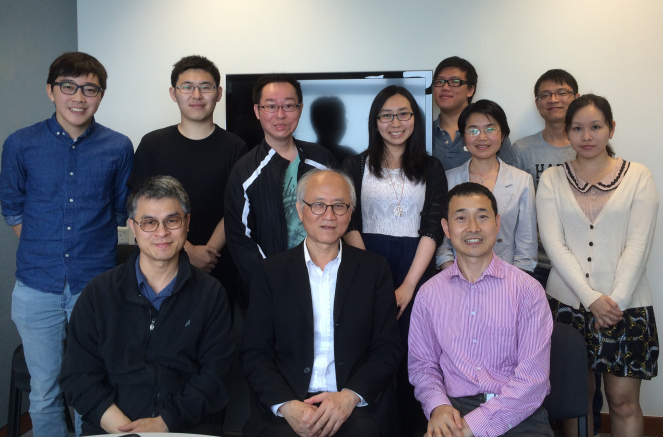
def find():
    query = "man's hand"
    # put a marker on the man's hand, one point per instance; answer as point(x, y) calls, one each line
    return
point(112, 419)
point(152, 424)
point(606, 311)
point(203, 257)
point(334, 410)
point(299, 416)
point(404, 295)
point(446, 421)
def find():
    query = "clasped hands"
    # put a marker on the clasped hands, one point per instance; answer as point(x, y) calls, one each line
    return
point(606, 311)
point(445, 421)
point(308, 420)
point(204, 257)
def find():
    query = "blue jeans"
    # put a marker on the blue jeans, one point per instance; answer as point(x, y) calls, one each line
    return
point(40, 319)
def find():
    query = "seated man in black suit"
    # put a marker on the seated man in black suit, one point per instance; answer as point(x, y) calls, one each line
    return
point(321, 343)
point(150, 344)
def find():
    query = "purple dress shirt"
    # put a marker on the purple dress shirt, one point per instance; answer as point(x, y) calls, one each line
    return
point(491, 336)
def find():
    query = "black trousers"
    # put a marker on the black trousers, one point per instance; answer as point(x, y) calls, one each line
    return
point(535, 425)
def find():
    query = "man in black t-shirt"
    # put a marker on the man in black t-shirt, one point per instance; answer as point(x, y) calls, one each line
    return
point(200, 155)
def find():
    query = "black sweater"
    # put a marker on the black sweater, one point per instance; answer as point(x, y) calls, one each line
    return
point(174, 362)
point(434, 204)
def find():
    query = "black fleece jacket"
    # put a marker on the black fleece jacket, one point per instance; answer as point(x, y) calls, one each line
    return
point(174, 362)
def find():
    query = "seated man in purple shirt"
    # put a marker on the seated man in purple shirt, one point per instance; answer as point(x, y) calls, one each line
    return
point(479, 339)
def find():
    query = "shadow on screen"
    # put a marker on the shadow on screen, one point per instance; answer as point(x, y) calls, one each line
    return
point(329, 123)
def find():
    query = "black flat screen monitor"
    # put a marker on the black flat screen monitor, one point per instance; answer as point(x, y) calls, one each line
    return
point(336, 106)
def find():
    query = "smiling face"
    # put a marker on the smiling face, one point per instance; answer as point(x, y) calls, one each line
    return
point(450, 99)
point(485, 145)
point(278, 126)
point(196, 107)
point(329, 188)
point(472, 227)
point(74, 112)
point(589, 133)
point(553, 110)
point(162, 244)
point(396, 132)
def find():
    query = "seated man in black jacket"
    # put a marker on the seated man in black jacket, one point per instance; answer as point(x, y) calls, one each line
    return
point(321, 343)
point(150, 343)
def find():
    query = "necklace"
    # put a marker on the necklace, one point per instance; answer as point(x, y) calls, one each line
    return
point(399, 210)
point(477, 176)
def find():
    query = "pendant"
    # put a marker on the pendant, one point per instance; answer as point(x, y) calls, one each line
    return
point(398, 211)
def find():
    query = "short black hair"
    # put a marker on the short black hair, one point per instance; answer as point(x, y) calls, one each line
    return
point(75, 64)
point(194, 62)
point(558, 76)
point(464, 66)
point(265, 80)
point(487, 107)
point(601, 103)
point(468, 189)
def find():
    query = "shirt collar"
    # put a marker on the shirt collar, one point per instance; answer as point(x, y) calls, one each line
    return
point(494, 269)
point(139, 273)
point(307, 256)
point(55, 127)
point(608, 183)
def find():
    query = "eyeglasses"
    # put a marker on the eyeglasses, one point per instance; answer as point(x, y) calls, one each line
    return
point(319, 208)
point(455, 83)
point(70, 88)
point(188, 88)
point(151, 225)
point(288, 107)
point(474, 132)
point(402, 116)
point(561, 94)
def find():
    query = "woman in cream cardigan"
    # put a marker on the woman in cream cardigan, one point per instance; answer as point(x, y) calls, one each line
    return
point(484, 127)
point(597, 216)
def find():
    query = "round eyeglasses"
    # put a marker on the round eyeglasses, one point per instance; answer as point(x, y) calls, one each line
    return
point(474, 132)
point(151, 225)
point(319, 208)
point(70, 88)
point(188, 88)
point(402, 116)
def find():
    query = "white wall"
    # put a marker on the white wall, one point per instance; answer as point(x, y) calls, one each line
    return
point(613, 48)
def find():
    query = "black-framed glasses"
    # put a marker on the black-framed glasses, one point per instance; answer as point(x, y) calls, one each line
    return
point(455, 83)
point(70, 88)
point(288, 107)
point(319, 208)
point(559, 93)
point(188, 88)
point(402, 116)
point(151, 225)
point(474, 132)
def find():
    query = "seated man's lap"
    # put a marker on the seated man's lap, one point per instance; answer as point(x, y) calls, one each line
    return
point(358, 424)
point(536, 425)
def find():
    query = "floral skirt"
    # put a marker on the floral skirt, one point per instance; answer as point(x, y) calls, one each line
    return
point(629, 348)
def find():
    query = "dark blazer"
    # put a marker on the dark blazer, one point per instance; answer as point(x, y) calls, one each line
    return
point(278, 335)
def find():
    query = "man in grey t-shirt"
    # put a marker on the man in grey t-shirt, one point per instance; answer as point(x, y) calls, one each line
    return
point(553, 92)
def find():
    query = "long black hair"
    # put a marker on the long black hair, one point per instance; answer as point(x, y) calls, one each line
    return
point(414, 159)
point(601, 103)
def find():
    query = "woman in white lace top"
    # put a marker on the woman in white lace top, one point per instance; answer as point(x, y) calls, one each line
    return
point(400, 193)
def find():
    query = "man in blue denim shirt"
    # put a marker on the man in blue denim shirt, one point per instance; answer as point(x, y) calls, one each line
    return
point(62, 189)
point(454, 85)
